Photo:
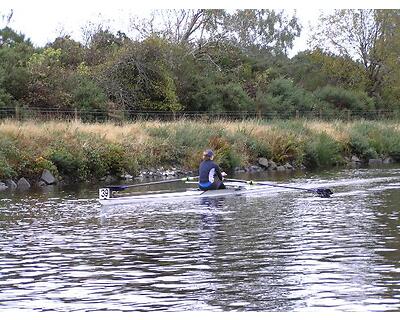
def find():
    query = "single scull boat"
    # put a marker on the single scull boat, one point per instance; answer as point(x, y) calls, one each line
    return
point(107, 196)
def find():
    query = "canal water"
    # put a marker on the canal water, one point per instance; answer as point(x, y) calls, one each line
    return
point(283, 250)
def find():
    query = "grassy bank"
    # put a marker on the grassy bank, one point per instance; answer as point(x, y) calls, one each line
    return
point(91, 151)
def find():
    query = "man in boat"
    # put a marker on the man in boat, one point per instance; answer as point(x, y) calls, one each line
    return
point(210, 175)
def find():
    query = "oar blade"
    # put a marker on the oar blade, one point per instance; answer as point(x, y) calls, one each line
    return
point(117, 188)
point(323, 192)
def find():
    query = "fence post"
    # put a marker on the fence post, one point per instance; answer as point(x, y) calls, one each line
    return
point(17, 112)
point(76, 115)
point(297, 114)
point(348, 115)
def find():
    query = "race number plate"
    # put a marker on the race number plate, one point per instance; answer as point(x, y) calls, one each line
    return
point(104, 193)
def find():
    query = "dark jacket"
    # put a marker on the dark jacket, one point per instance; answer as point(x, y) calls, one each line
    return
point(208, 172)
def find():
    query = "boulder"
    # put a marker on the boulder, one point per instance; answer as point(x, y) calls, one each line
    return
point(280, 168)
point(272, 165)
point(127, 176)
point(263, 162)
point(41, 184)
point(288, 166)
point(375, 162)
point(23, 184)
point(3, 186)
point(388, 160)
point(47, 177)
point(11, 184)
point(255, 168)
point(355, 159)
point(110, 179)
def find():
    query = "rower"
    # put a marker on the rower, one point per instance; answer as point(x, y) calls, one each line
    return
point(210, 175)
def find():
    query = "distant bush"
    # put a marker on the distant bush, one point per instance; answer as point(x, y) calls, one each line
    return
point(5, 99)
point(249, 145)
point(284, 97)
point(68, 164)
point(340, 99)
point(322, 150)
point(95, 164)
point(371, 140)
point(226, 155)
point(89, 99)
point(34, 167)
point(114, 157)
point(234, 98)
point(224, 97)
point(10, 158)
point(6, 170)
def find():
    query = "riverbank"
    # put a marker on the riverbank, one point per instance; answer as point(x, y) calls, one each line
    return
point(75, 151)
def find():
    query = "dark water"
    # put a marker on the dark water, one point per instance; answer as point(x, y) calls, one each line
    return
point(280, 251)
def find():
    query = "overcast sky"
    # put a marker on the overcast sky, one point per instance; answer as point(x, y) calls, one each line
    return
point(43, 20)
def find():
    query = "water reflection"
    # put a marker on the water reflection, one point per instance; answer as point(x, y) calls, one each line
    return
point(281, 251)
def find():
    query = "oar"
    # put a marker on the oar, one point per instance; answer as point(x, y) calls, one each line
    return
point(322, 192)
point(123, 187)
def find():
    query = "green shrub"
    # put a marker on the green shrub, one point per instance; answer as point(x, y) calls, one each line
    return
point(321, 151)
point(33, 167)
point(225, 154)
point(391, 142)
point(95, 163)
point(360, 146)
point(68, 164)
point(14, 158)
point(342, 99)
point(370, 140)
point(6, 171)
point(90, 100)
point(233, 98)
point(284, 98)
point(254, 147)
point(5, 100)
point(114, 158)
point(173, 143)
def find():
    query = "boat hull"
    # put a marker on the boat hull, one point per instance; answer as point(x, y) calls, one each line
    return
point(178, 196)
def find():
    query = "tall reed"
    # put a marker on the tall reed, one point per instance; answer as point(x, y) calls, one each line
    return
point(82, 151)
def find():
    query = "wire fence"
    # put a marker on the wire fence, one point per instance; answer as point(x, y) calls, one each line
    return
point(47, 114)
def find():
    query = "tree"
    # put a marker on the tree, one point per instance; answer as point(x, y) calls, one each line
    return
point(6, 17)
point(5, 97)
point(324, 68)
point(263, 29)
point(269, 30)
point(101, 43)
point(49, 81)
point(139, 77)
point(369, 36)
point(15, 52)
point(72, 52)
point(193, 26)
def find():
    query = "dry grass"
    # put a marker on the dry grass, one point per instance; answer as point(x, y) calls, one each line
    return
point(150, 144)
point(137, 130)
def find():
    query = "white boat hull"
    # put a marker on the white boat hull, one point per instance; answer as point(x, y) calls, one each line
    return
point(183, 195)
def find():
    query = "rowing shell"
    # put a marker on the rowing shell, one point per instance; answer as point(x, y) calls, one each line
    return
point(106, 197)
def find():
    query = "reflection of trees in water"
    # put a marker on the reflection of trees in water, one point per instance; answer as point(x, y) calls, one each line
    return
point(245, 273)
point(388, 222)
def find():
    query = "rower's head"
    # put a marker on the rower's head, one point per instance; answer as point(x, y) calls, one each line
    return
point(208, 155)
